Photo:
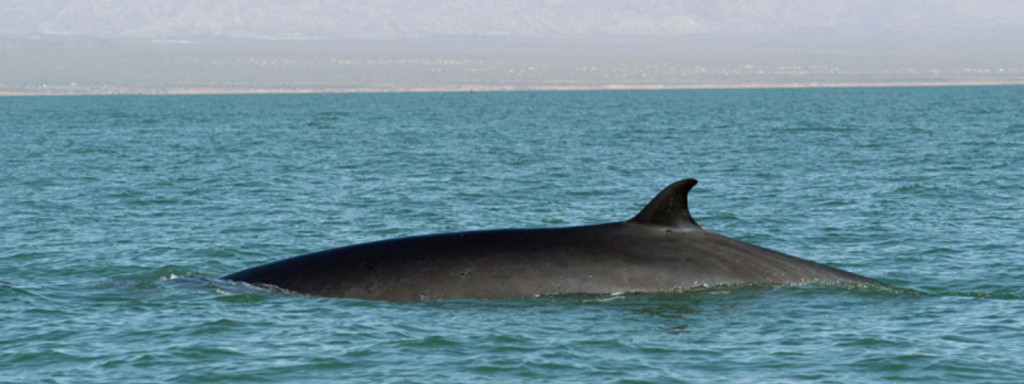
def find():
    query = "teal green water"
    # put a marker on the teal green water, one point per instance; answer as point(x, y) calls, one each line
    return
point(118, 213)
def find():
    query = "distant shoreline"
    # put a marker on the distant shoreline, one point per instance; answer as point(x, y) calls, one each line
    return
point(78, 91)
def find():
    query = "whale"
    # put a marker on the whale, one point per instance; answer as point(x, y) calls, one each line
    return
point(661, 249)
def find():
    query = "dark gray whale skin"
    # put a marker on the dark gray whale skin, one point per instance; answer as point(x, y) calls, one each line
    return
point(661, 249)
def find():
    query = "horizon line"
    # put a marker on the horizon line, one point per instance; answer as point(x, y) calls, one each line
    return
point(128, 91)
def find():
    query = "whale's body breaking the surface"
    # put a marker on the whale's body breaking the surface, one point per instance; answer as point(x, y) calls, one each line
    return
point(661, 249)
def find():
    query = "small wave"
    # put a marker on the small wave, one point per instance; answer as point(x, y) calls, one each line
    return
point(924, 292)
point(172, 276)
point(977, 295)
point(10, 290)
point(243, 288)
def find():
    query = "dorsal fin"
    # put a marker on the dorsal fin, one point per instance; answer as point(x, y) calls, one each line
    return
point(669, 207)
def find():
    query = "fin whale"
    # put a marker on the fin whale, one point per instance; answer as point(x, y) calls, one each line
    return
point(660, 249)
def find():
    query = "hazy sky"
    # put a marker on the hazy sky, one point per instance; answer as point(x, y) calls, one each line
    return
point(278, 19)
point(391, 44)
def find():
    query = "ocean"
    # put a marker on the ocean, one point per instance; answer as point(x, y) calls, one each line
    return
point(119, 213)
